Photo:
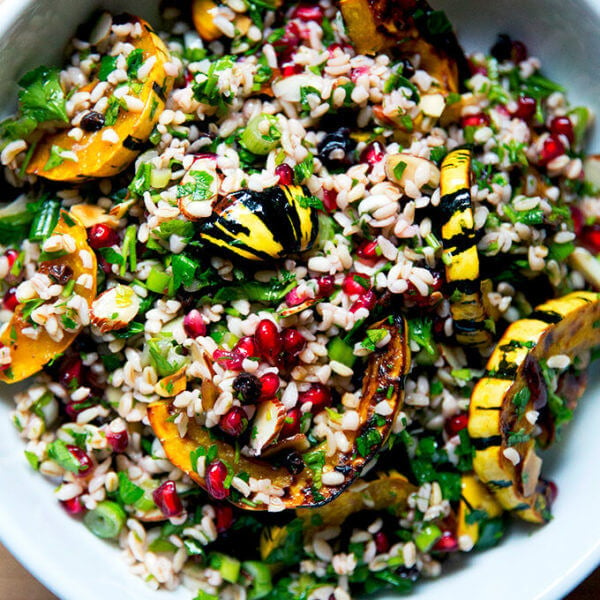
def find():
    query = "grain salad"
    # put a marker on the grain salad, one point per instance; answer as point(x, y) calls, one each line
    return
point(298, 292)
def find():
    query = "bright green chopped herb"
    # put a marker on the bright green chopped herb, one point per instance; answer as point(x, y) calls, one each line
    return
point(59, 453)
point(33, 460)
point(476, 516)
point(310, 202)
point(399, 170)
point(164, 356)
point(129, 492)
point(111, 256)
point(315, 461)
point(134, 62)
point(107, 65)
point(57, 157)
point(421, 331)
point(184, 229)
point(42, 97)
point(196, 190)
point(518, 437)
point(184, 269)
point(367, 441)
point(521, 399)
point(206, 88)
point(305, 169)
point(374, 336)
point(112, 112)
point(462, 374)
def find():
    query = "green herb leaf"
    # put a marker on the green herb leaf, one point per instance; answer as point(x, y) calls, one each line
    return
point(42, 97)
point(129, 492)
point(59, 453)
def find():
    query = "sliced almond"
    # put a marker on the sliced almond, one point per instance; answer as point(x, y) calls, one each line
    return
point(210, 392)
point(267, 424)
point(115, 308)
point(294, 310)
point(532, 467)
point(101, 29)
point(582, 260)
point(298, 442)
point(402, 168)
point(91, 214)
point(432, 105)
point(198, 205)
point(120, 210)
point(170, 386)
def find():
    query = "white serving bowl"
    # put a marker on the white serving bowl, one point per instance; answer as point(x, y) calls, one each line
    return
point(532, 563)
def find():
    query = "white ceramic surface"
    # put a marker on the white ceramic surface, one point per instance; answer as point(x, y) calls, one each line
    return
point(543, 563)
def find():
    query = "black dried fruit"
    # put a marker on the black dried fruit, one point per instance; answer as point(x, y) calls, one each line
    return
point(294, 463)
point(248, 386)
point(92, 121)
point(61, 274)
point(335, 150)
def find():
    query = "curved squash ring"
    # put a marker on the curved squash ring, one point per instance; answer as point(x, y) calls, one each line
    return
point(460, 250)
point(99, 158)
point(383, 380)
point(561, 326)
point(28, 356)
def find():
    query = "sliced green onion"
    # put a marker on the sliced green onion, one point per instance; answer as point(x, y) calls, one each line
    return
point(257, 142)
point(159, 178)
point(226, 565)
point(340, 351)
point(158, 281)
point(106, 520)
point(427, 537)
point(45, 221)
point(260, 576)
point(128, 252)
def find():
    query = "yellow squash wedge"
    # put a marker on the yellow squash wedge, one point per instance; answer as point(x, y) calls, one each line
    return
point(99, 158)
point(383, 381)
point(28, 356)
point(502, 413)
point(460, 254)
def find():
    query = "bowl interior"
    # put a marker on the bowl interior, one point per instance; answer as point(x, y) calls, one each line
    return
point(541, 563)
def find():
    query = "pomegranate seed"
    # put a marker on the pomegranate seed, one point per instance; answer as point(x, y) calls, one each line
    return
point(355, 284)
point(291, 69)
point(577, 218)
point(208, 155)
point(551, 491)
point(381, 542)
point(194, 324)
point(476, 69)
point(562, 126)
point(291, 423)
point(373, 153)
point(102, 236)
point(167, 499)
point(518, 52)
point(268, 339)
point(288, 42)
point(11, 256)
point(10, 301)
point(224, 517)
point(285, 174)
point(293, 298)
point(246, 346)
point(234, 421)
point(70, 372)
point(326, 285)
point(367, 250)
point(293, 341)
point(367, 300)
point(477, 120)
point(330, 200)
point(318, 395)
point(552, 148)
point(73, 506)
point(216, 473)
point(590, 238)
point(188, 77)
point(85, 462)
point(269, 385)
point(447, 543)
point(337, 46)
point(308, 13)
point(231, 360)
point(456, 423)
point(526, 107)
point(117, 439)
point(357, 73)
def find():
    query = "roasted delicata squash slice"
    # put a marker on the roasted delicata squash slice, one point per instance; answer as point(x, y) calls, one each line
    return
point(110, 149)
point(323, 477)
point(507, 401)
point(460, 251)
point(77, 262)
point(260, 226)
point(409, 27)
point(203, 16)
point(476, 504)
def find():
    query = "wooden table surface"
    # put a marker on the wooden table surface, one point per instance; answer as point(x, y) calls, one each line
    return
point(17, 584)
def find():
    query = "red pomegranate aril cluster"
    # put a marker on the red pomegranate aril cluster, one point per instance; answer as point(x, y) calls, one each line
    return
point(11, 257)
point(10, 301)
point(74, 506)
point(167, 499)
point(355, 284)
point(70, 372)
point(306, 12)
point(102, 236)
point(367, 300)
point(283, 171)
point(215, 476)
point(223, 517)
point(373, 153)
point(118, 440)
point(194, 324)
point(478, 120)
point(234, 422)
point(326, 285)
point(318, 395)
point(368, 250)
point(291, 423)
point(518, 52)
point(269, 385)
point(330, 200)
point(578, 220)
point(456, 424)
point(590, 238)
point(551, 149)
point(526, 107)
point(85, 462)
point(562, 126)
point(268, 339)
point(382, 544)
point(447, 543)
point(293, 341)
point(293, 298)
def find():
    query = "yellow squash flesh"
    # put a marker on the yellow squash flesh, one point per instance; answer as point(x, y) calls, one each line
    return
point(461, 257)
point(383, 380)
point(99, 158)
point(498, 425)
point(28, 356)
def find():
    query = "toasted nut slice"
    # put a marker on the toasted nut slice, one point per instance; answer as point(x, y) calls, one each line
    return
point(401, 168)
point(298, 442)
point(115, 308)
point(432, 104)
point(266, 425)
